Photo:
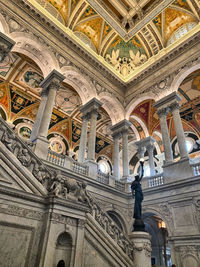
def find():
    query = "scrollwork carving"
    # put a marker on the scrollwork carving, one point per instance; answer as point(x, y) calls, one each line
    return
point(22, 212)
point(166, 212)
point(64, 219)
point(185, 251)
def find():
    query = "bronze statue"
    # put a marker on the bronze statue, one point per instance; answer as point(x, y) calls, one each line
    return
point(136, 189)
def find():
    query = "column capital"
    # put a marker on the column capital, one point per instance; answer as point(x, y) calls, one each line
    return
point(145, 142)
point(85, 117)
point(116, 135)
point(150, 147)
point(174, 106)
point(121, 126)
point(92, 105)
point(6, 44)
point(166, 101)
point(52, 81)
point(162, 112)
point(141, 150)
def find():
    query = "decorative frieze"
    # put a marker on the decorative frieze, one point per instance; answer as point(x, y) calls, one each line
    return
point(165, 211)
point(55, 217)
point(146, 247)
point(189, 250)
point(22, 212)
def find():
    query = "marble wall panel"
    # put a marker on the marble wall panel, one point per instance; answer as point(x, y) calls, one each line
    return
point(15, 244)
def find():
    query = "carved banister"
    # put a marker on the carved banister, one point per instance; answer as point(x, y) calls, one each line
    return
point(105, 221)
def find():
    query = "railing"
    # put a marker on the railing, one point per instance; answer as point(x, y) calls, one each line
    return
point(102, 177)
point(24, 154)
point(55, 158)
point(112, 229)
point(156, 180)
point(196, 168)
point(120, 186)
point(79, 168)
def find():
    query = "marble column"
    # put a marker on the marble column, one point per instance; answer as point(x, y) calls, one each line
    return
point(92, 135)
point(83, 139)
point(175, 107)
point(37, 123)
point(125, 153)
point(147, 144)
point(50, 86)
point(122, 128)
point(116, 137)
point(141, 150)
point(162, 113)
point(6, 44)
point(91, 109)
point(150, 149)
point(181, 169)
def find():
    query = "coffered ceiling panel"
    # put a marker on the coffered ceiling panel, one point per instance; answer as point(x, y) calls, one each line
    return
point(124, 35)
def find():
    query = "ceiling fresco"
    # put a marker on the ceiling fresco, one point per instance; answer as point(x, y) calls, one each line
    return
point(125, 35)
point(20, 98)
point(19, 102)
point(189, 91)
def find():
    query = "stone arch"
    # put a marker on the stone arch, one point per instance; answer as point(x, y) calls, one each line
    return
point(133, 104)
point(28, 45)
point(189, 259)
point(137, 136)
point(141, 124)
point(114, 214)
point(183, 73)
point(83, 87)
point(154, 211)
point(63, 249)
point(3, 25)
point(156, 144)
point(113, 107)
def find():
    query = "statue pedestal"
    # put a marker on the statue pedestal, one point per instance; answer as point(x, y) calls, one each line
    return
point(142, 248)
point(139, 225)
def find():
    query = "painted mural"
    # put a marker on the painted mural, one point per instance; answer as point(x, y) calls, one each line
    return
point(124, 55)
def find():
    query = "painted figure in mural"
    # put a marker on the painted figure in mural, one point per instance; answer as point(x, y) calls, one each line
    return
point(136, 189)
point(33, 79)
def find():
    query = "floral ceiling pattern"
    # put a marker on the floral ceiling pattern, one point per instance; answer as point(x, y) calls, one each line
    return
point(121, 55)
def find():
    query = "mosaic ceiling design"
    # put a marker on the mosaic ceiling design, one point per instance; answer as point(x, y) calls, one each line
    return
point(119, 33)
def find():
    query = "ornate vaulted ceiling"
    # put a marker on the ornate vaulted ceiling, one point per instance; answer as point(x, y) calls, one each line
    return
point(20, 98)
point(125, 35)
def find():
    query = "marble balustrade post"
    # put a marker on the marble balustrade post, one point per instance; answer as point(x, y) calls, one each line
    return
point(162, 113)
point(116, 137)
point(175, 107)
point(83, 139)
point(92, 135)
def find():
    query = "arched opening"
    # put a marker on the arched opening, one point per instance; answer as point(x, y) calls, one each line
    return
point(63, 250)
point(156, 227)
point(190, 260)
point(116, 218)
